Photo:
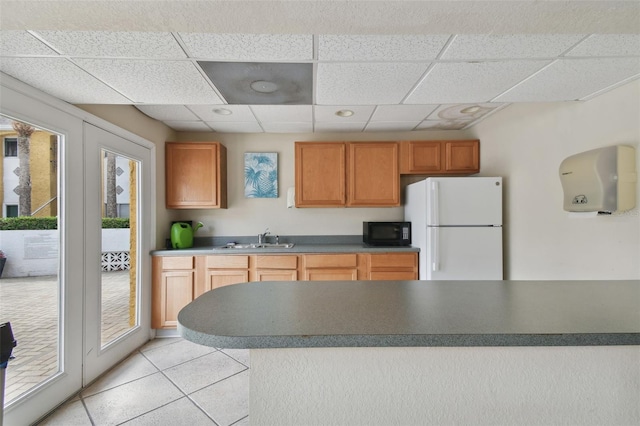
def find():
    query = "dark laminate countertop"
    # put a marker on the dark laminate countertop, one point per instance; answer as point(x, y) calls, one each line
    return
point(415, 313)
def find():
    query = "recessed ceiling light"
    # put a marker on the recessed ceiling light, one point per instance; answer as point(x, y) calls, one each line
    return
point(470, 110)
point(344, 113)
point(223, 111)
point(264, 86)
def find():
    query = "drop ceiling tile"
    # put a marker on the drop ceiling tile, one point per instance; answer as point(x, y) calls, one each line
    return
point(366, 84)
point(188, 126)
point(463, 111)
point(608, 45)
point(450, 83)
point(62, 79)
point(572, 79)
point(327, 113)
point(353, 126)
point(115, 44)
point(380, 47)
point(22, 43)
point(282, 113)
point(391, 126)
point(208, 112)
point(168, 112)
point(289, 127)
point(402, 112)
point(154, 82)
point(249, 47)
point(442, 125)
point(491, 46)
point(236, 127)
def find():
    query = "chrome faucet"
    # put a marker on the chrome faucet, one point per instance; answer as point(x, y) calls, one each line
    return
point(262, 238)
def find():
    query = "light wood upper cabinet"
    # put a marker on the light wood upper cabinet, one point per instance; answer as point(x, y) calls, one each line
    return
point(351, 174)
point(440, 157)
point(374, 177)
point(196, 175)
point(320, 169)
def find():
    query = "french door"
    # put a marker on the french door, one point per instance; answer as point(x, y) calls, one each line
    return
point(117, 268)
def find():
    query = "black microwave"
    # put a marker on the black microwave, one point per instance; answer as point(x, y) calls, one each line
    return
point(386, 233)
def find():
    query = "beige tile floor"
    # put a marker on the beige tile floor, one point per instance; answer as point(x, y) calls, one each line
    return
point(169, 381)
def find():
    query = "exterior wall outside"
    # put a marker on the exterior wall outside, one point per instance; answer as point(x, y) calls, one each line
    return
point(43, 148)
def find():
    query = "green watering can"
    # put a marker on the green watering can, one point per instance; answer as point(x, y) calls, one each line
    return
point(182, 234)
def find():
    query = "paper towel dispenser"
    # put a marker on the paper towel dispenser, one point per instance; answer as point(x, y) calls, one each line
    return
point(600, 180)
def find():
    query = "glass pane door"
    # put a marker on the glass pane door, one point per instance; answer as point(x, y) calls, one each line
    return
point(117, 196)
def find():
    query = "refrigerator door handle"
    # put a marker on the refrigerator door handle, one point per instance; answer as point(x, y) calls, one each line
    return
point(435, 198)
point(435, 248)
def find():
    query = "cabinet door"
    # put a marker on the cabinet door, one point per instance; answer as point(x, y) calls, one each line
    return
point(221, 278)
point(276, 275)
point(393, 266)
point(195, 175)
point(331, 274)
point(462, 156)
point(421, 157)
point(374, 176)
point(176, 291)
point(320, 174)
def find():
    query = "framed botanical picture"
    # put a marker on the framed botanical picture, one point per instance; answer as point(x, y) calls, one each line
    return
point(261, 175)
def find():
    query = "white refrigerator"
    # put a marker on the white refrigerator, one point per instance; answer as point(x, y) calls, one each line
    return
point(457, 224)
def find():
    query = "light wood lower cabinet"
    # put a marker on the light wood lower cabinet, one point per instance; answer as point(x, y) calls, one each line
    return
point(177, 280)
point(393, 266)
point(173, 289)
point(276, 268)
point(330, 267)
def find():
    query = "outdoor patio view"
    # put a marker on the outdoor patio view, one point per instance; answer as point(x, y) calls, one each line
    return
point(31, 281)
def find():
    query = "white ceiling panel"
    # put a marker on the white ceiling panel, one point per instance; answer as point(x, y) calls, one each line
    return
point(290, 127)
point(491, 46)
point(443, 125)
point(608, 45)
point(223, 113)
point(236, 127)
point(62, 79)
point(168, 112)
point(155, 82)
point(114, 44)
point(367, 83)
point(469, 112)
point(380, 47)
point(249, 47)
point(466, 82)
point(282, 113)
point(188, 126)
point(402, 112)
point(22, 43)
point(572, 79)
point(353, 126)
point(389, 126)
point(326, 113)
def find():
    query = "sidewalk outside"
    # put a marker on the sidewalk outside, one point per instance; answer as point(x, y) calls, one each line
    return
point(31, 305)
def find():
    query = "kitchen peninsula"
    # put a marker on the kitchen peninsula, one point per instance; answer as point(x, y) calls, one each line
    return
point(417, 352)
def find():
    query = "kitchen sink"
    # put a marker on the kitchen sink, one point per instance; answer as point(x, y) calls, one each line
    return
point(259, 246)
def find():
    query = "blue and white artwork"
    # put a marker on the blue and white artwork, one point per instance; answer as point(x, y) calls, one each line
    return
point(261, 175)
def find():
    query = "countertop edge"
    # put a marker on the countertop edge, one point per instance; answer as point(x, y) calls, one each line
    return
point(426, 340)
point(297, 249)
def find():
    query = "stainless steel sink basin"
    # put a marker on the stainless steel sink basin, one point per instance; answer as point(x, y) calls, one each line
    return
point(259, 246)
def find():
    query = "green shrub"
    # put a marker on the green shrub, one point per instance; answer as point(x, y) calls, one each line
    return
point(31, 223)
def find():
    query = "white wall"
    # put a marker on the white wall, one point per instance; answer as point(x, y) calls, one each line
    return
point(526, 143)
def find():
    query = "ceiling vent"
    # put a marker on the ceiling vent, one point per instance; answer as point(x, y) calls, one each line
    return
point(253, 83)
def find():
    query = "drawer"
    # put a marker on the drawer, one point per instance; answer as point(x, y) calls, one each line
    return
point(393, 260)
point(277, 262)
point(330, 260)
point(177, 262)
point(228, 262)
